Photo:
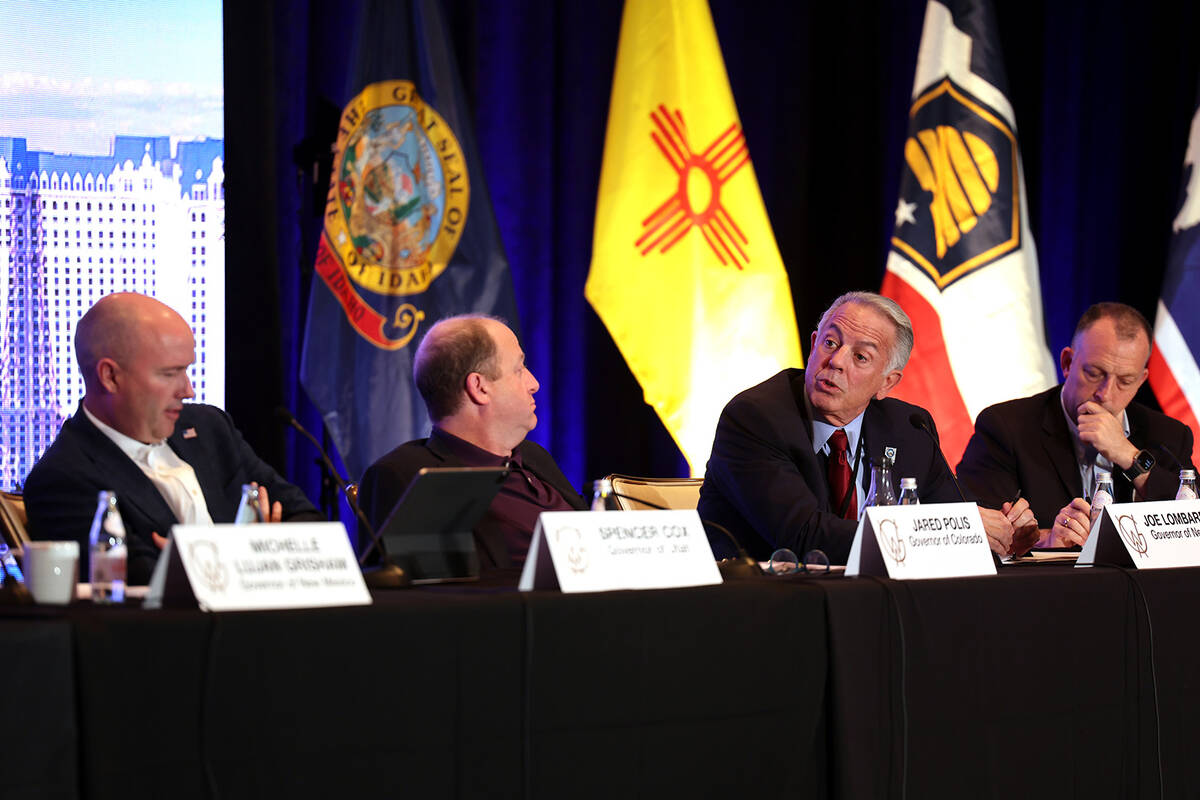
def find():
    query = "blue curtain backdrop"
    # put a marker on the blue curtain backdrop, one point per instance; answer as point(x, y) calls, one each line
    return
point(1103, 93)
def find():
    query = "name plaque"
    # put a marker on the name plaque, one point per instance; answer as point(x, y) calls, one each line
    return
point(1155, 535)
point(257, 567)
point(939, 540)
point(600, 551)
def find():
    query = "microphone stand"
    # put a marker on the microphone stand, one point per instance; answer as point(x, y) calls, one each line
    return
point(387, 575)
point(919, 422)
point(741, 565)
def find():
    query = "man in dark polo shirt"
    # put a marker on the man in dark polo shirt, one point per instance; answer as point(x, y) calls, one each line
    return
point(470, 371)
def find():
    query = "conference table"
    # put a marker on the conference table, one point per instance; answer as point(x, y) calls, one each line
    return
point(1041, 681)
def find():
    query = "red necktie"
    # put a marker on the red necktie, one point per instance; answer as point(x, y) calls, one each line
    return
point(839, 475)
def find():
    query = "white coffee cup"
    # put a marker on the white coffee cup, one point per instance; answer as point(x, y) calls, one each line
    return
point(51, 571)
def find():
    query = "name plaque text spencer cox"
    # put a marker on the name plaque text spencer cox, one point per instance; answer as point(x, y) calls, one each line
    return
point(599, 551)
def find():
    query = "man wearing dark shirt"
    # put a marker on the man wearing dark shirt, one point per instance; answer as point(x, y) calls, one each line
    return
point(471, 373)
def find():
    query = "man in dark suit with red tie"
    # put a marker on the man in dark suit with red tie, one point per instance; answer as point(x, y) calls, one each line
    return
point(790, 460)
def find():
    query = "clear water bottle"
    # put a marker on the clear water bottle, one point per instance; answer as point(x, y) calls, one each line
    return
point(1187, 485)
point(881, 492)
point(602, 495)
point(107, 555)
point(248, 509)
point(10, 569)
point(1102, 494)
point(908, 492)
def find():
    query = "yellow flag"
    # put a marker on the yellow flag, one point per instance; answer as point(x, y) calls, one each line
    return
point(685, 271)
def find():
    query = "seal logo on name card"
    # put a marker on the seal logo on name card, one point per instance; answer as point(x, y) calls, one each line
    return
point(893, 544)
point(1136, 540)
point(204, 555)
point(571, 540)
point(396, 209)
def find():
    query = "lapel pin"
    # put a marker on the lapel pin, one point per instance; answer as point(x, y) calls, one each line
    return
point(189, 433)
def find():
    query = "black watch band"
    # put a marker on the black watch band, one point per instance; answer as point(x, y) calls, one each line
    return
point(1142, 463)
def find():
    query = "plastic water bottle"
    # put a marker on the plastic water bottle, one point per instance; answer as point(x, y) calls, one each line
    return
point(908, 492)
point(602, 495)
point(107, 555)
point(248, 509)
point(9, 568)
point(1102, 494)
point(881, 492)
point(1187, 485)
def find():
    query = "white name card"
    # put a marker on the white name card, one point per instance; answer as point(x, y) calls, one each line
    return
point(599, 551)
point(257, 567)
point(1145, 535)
point(940, 540)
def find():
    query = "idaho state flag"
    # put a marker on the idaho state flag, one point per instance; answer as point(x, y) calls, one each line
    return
point(685, 271)
point(963, 263)
point(409, 236)
point(1174, 375)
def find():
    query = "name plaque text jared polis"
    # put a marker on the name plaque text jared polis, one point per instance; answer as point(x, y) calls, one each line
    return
point(939, 540)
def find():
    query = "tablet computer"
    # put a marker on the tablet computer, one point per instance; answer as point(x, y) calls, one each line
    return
point(430, 531)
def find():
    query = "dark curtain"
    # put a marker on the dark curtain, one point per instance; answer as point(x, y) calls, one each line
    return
point(1103, 92)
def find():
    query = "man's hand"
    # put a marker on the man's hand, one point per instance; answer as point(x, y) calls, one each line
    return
point(1072, 524)
point(268, 512)
point(1105, 432)
point(999, 530)
point(1025, 529)
point(159, 541)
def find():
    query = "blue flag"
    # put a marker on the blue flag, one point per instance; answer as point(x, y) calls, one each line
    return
point(1174, 374)
point(409, 235)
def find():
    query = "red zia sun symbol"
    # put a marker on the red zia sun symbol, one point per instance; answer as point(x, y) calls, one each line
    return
point(697, 198)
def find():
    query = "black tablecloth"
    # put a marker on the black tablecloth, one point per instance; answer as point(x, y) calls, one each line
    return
point(1026, 684)
point(1042, 682)
point(40, 733)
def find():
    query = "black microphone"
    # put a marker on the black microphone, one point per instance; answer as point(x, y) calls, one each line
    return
point(1176, 464)
point(921, 423)
point(740, 566)
point(387, 575)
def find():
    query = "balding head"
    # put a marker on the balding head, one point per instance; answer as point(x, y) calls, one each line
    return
point(451, 350)
point(117, 326)
point(133, 353)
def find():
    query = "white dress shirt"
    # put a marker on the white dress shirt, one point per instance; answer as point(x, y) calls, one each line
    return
point(171, 475)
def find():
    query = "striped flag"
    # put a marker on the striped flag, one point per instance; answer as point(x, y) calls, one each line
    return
point(685, 271)
point(1174, 375)
point(963, 263)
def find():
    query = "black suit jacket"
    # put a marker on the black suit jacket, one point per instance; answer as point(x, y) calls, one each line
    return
point(61, 489)
point(766, 485)
point(1025, 444)
point(385, 481)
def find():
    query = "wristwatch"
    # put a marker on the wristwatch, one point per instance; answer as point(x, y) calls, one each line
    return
point(1142, 463)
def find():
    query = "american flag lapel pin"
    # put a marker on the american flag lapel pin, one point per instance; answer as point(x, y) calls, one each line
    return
point(189, 433)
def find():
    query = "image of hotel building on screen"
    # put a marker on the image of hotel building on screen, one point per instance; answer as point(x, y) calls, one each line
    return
point(150, 218)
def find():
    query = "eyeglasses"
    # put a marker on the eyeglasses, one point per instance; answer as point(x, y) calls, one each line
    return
point(784, 562)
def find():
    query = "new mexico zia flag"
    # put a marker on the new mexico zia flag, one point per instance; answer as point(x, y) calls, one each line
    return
point(685, 271)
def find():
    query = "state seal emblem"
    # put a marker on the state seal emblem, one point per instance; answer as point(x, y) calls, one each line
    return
point(397, 205)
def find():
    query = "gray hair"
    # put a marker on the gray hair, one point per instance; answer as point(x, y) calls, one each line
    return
point(902, 348)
